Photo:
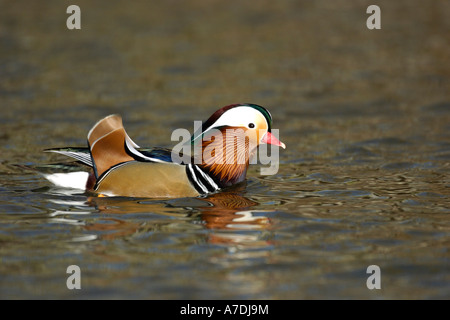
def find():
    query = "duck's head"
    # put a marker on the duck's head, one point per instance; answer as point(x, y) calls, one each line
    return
point(253, 120)
point(229, 139)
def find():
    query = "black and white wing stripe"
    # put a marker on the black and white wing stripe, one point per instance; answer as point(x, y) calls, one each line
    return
point(81, 154)
point(201, 181)
point(132, 150)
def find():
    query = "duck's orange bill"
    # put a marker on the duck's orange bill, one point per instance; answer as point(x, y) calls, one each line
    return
point(270, 139)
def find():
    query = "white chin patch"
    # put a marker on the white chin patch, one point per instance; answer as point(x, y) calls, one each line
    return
point(73, 180)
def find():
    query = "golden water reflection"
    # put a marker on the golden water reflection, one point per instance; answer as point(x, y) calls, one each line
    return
point(229, 217)
point(231, 212)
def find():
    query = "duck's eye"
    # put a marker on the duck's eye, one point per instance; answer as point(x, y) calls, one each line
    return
point(251, 125)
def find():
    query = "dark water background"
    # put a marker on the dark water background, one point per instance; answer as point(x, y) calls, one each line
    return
point(365, 115)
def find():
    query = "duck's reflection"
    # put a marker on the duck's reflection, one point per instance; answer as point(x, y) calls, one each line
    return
point(112, 228)
point(228, 215)
point(230, 211)
point(231, 217)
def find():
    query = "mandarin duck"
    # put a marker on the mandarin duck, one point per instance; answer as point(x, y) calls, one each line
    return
point(119, 167)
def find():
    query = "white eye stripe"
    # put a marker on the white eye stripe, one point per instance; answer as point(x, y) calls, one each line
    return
point(237, 117)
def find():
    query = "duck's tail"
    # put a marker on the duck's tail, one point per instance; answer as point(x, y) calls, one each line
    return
point(108, 144)
point(65, 175)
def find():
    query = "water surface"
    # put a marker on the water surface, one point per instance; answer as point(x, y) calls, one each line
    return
point(365, 115)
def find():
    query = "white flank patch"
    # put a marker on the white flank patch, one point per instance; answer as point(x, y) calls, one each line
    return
point(74, 180)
